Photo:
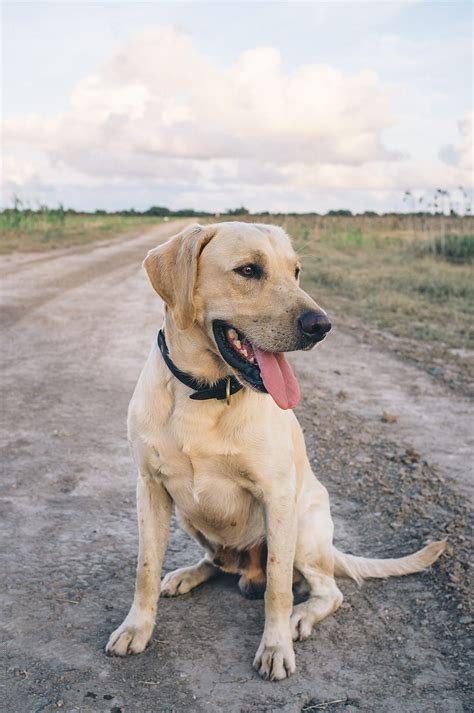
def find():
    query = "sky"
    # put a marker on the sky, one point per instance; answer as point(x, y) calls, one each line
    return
point(279, 106)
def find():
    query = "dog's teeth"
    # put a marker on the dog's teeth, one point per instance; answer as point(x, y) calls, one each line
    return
point(244, 349)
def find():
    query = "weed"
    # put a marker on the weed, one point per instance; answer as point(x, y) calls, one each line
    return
point(410, 275)
point(27, 230)
point(455, 248)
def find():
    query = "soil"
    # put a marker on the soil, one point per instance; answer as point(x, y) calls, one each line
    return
point(77, 325)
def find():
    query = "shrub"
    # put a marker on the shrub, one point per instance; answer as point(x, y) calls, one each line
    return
point(455, 248)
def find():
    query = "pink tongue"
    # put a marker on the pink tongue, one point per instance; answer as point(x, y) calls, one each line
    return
point(278, 378)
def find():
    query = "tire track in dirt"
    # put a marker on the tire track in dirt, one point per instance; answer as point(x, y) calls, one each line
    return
point(59, 275)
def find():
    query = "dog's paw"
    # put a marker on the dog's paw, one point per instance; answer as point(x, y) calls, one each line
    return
point(130, 638)
point(301, 624)
point(181, 581)
point(275, 661)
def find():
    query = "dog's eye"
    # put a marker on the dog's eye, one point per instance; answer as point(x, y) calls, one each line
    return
point(252, 271)
point(297, 272)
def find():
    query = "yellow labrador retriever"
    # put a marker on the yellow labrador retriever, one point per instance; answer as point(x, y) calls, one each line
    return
point(212, 431)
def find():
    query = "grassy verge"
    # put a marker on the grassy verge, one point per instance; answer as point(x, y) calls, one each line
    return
point(401, 283)
point(53, 229)
point(410, 277)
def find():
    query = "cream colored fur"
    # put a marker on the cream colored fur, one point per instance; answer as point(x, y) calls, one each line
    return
point(238, 474)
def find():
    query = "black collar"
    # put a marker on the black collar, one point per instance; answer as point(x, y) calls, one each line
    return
point(221, 390)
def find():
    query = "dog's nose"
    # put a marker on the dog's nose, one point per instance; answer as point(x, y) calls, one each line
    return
point(314, 324)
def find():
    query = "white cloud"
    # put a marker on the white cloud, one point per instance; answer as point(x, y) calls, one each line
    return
point(18, 171)
point(161, 114)
point(461, 154)
point(161, 97)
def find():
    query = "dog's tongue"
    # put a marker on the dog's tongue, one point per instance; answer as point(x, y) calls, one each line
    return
point(278, 378)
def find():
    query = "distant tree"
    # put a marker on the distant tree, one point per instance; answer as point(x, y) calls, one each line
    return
point(237, 211)
point(158, 211)
point(185, 213)
point(370, 213)
point(341, 211)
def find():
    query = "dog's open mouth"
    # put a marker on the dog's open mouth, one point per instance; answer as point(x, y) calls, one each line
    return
point(265, 371)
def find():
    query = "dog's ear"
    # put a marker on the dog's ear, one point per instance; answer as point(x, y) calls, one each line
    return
point(172, 270)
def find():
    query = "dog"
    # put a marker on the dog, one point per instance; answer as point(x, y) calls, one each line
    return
point(212, 430)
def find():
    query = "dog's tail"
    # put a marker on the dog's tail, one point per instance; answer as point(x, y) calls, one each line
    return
point(360, 568)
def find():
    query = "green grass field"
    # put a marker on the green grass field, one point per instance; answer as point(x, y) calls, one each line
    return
point(410, 277)
point(24, 231)
point(415, 281)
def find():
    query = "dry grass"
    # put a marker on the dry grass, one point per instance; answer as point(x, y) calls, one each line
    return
point(51, 229)
point(390, 272)
point(386, 272)
point(410, 276)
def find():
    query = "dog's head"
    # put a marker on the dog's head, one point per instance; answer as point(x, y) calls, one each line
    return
point(239, 283)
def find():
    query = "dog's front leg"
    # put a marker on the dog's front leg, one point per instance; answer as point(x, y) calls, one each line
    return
point(275, 658)
point(154, 514)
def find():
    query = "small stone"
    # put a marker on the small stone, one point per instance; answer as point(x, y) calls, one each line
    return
point(388, 417)
point(411, 456)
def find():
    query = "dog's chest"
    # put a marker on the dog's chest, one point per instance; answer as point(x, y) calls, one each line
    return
point(221, 509)
point(204, 468)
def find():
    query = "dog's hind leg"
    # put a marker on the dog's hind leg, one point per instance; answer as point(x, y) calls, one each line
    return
point(324, 598)
point(181, 581)
point(314, 560)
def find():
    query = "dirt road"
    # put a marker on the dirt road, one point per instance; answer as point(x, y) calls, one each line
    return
point(77, 326)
